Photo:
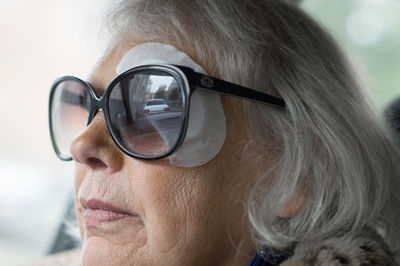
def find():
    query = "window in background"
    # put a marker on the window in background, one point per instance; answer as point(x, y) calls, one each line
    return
point(370, 32)
point(39, 41)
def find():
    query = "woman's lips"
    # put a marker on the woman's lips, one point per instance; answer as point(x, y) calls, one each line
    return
point(97, 217)
point(97, 212)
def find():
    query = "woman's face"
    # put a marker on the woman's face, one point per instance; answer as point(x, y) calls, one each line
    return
point(171, 215)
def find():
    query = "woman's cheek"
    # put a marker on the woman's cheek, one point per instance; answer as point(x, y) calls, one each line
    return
point(80, 172)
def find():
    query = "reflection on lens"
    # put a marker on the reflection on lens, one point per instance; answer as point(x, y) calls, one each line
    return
point(146, 112)
point(69, 114)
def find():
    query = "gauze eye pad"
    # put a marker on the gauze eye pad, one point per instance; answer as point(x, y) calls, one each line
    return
point(206, 130)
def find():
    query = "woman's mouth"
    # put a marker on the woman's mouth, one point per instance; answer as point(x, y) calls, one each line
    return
point(96, 217)
point(97, 212)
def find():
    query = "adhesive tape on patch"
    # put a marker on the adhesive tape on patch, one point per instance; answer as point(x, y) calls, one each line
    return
point(206, 130)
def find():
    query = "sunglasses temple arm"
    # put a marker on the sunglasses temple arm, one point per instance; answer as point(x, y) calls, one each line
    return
point(225, 87)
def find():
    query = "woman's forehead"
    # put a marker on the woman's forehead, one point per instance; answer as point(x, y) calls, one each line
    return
point(103, 70)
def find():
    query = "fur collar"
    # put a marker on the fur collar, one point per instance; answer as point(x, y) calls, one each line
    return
point(365, 249)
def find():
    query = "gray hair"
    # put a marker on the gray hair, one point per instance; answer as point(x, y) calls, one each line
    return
point(330, 142)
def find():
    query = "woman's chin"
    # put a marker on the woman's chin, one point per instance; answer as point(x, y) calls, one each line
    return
point(98, 250)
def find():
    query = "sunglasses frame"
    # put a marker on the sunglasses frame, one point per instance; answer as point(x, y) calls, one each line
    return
point(188, 81)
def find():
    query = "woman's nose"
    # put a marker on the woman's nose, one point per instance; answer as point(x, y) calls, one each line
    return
point(95, 148)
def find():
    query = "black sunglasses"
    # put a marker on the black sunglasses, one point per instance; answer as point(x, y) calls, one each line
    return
point(146, 108)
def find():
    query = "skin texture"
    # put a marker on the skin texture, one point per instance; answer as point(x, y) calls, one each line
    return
point(182, 216)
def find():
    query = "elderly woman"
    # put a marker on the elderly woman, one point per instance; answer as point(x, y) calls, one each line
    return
point(225, 133)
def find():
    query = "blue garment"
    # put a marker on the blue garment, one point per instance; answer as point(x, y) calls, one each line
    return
point(265, 257)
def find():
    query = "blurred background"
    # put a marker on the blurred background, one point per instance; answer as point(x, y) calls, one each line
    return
point(42, 39)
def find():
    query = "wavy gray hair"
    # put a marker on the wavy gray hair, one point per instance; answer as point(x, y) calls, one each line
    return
point(332, 142)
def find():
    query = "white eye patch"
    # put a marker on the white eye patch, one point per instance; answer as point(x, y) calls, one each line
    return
point(206, 130)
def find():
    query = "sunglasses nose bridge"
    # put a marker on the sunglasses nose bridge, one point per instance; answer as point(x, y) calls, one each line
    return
point(96, 105)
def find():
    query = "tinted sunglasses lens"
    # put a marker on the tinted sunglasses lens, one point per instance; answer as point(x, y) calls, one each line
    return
point(68, 114)
point(146, 112)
